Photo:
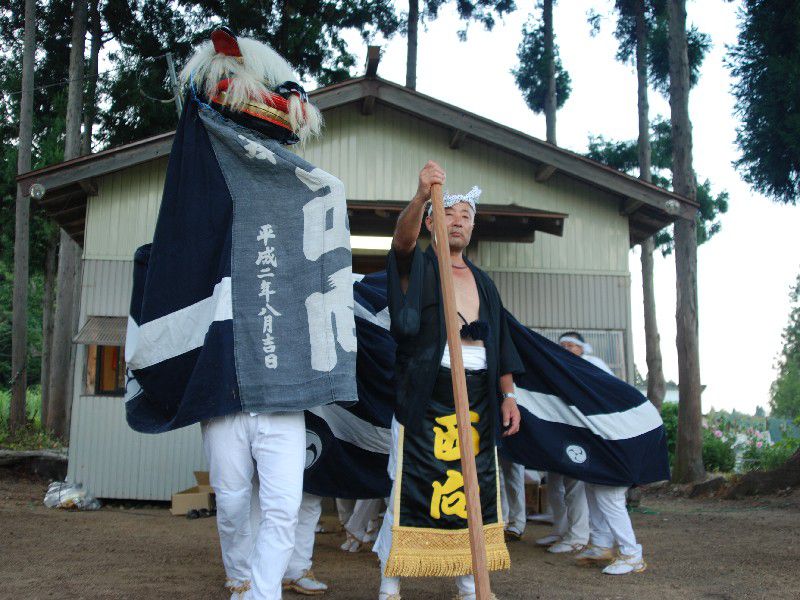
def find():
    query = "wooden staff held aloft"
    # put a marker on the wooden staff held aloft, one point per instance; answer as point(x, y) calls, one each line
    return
point(474, 518)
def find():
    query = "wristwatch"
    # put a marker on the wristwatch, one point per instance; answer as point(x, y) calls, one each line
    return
point(509, 395)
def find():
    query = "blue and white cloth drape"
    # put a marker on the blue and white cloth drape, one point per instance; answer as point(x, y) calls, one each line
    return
point(244, 301)
point(231, 313)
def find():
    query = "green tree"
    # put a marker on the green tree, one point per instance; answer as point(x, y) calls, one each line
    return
point(540, 75)
point(641, 31)
point(49, 105)
point(785, 390)
point(308, 33)
point(766, 64)
point(657, 31)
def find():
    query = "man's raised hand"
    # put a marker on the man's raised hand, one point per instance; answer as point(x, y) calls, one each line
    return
point(431, 173)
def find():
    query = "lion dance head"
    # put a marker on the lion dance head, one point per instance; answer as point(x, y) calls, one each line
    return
point(251, 84)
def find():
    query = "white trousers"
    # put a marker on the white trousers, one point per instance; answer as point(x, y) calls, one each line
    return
point(609, 519)
point(272, 447)
point(567, 498)
point(364, 511)
point(512, 494)
point(345, 508)
point(307, 519)
point(383, 544)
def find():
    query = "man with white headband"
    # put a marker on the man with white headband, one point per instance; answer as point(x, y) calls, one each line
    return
point(612, 539)
point(424, 531)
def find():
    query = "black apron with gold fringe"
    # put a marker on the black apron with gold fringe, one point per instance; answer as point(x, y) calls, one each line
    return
point(429, 534)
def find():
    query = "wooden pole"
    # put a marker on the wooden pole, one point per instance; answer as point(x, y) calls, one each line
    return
point(477, 541)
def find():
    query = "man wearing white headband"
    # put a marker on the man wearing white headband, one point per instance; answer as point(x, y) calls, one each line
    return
point(612, 539)
point(424, 531)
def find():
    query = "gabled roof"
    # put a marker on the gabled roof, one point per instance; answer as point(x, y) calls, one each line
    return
point(649, 207)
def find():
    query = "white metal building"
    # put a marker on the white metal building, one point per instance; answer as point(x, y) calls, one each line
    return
point(554, 231)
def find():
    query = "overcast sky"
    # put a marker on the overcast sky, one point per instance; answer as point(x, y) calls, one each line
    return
point(744, 272)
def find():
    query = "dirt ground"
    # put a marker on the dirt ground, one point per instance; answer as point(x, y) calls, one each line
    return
point(694, 549)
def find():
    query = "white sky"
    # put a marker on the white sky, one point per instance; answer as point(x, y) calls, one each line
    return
point(744, 272)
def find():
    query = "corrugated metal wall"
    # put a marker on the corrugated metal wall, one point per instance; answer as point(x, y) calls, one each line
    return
point(558, 300)
point(378, 158)
point(595, 305)
point(113, 461)
point(579, 281)
point(107, 288)
point(123, 215)
point(106, 455)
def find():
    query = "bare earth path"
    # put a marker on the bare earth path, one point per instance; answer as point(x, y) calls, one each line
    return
point(694, 548)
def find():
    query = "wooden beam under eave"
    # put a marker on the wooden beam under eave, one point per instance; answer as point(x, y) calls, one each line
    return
point(544, 172)
point(68, 213)
point(630, 206)
point(456, 139)
point(89, 186)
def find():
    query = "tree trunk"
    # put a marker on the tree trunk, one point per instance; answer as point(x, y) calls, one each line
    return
point(69, 254)
point(550, 100)
point(411, 56)
point(655, 373)
point(656, 386)
point(48, 307)
point(60, 392)
point(689, 448)
point(90, 108)
point(72, 141)
point(19, 338)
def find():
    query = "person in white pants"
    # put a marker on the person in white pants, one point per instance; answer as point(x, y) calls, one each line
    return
point(611, 526)
point(390, 586)
point(238, 447)
point(567, 499)
point(512, 498)
point(358, 526)
point(298, 576)
point(610, 523)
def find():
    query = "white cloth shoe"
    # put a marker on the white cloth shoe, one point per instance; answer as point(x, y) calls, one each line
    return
point(548, 540)
point(564, 548)
point(591, 555)
point(512, 534)
point(626, 564)
point(307, 585)
point(390, 588)
point(351, 544)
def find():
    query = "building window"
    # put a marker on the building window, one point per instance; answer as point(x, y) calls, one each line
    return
point(105, 373)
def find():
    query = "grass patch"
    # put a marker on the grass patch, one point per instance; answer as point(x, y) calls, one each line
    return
point(32, 436)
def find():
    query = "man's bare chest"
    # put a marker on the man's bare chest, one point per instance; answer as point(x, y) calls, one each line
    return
point(467, 298)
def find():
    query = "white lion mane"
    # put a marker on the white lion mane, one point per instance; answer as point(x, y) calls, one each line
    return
point(259, 69)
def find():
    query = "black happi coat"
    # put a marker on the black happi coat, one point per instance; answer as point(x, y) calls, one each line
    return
point(418, 327)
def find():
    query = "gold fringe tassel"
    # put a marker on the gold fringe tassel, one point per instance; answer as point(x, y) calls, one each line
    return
point(420, 552)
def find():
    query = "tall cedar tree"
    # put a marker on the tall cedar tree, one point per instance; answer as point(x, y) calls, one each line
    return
point(766, 63)
point(52, 41)
point(689, 447)
point(540, 69)
point(641, 31)
point(19, 379)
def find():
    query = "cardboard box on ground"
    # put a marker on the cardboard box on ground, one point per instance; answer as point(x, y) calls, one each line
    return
point(535, 498)
point(196, 497)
